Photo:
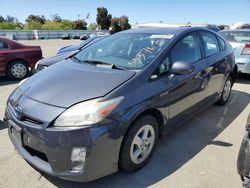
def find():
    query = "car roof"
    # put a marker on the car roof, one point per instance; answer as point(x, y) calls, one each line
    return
point(164, 30)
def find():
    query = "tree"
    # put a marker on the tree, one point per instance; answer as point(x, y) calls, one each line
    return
point(56, 18)
point(33, 25)
point(124, 23)
point(92, 27)
point(1, 19)
point(10, 19)
point(80, 25)
point(103, 19)
point(120, 24)
point(115, 25)
point(39, 19)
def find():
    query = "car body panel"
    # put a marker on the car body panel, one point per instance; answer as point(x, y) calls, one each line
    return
point(86, 76)
point(243, 162)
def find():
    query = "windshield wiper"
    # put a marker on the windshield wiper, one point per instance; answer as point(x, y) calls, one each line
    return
point(104, 64)
point(95, 62)
point(76, 59)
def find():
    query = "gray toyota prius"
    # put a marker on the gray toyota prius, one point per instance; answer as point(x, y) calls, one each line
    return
point(104, 108)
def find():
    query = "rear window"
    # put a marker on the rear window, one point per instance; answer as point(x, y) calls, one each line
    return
point(222, 43)
point(210, 43)
point(236, 36)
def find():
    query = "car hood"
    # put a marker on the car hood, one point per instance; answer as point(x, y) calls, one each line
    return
point(69, 48)
point(67, 83)
point(54, 59)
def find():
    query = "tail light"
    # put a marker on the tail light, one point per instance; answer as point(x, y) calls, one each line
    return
point(246, 50)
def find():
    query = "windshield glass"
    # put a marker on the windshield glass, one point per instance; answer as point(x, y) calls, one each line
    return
point(127, 50)
point(236, 36)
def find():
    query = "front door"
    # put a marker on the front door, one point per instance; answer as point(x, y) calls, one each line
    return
point(186, 91)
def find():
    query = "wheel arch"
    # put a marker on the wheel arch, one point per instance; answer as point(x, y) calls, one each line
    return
point(16, 59)
point(152, 112)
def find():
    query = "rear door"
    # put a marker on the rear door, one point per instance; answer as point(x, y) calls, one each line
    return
point(216, 60)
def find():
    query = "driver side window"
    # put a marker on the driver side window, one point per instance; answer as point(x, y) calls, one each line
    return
point(186, 50)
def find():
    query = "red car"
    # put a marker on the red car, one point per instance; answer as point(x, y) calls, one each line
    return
point(16, 60)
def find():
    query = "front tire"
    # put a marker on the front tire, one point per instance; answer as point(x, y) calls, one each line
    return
point(17, 70)
point(226, 92)
point(139, 144)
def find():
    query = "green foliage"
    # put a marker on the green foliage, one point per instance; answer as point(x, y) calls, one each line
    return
point(2, 19)
point(80, 25)
point(39, 22)
point(33, 25)
point(38, 19)
point(120, 24)
point(115, 25)
point(124, 23)
point(9, 25)
point(56, 18)
point(92, 27)
point(103, 19)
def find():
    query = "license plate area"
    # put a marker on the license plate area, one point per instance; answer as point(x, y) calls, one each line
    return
point(16, 131)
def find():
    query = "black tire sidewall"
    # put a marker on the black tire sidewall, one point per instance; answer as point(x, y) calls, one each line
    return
point(11, 64)
point(125, 162)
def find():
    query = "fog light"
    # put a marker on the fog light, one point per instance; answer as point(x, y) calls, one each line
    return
point(78, 159)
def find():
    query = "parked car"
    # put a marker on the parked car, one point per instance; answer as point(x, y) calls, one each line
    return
point(16, 59)
point(240, 41)
point(104, 108)
point(65, 53)
point(11, 36)
point(79, 46)
point(84, 37)
point(75, 36)
point(66, 36)
point(243, 162)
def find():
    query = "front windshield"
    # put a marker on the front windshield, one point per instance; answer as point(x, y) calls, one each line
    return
point(127, 50)
point(236, 36)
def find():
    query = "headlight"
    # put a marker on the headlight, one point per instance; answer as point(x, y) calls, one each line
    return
point(37, 64)
point(87, 113)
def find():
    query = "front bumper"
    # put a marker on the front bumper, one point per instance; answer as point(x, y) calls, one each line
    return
point(243, 65)
point(49, 149)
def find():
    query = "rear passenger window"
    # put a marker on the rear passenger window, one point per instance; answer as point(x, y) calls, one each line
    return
point(3, 46)
point(222, 43)
point(210, 43)
point(187, 50)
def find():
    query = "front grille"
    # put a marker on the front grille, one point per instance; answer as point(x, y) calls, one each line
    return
point(24, 117)
point(36, 153)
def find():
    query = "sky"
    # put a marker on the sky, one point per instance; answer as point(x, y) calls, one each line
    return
point(140, 11)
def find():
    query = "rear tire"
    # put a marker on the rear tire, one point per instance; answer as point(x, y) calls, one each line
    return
point(139, 144)
point(17, 70)
point(226, 92)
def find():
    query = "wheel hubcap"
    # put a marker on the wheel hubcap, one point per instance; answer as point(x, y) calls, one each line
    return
point(142, 144)
point(227, 90)
point(18, 70)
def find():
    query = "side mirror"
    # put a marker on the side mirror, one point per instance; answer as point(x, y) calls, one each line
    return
point(182, 68)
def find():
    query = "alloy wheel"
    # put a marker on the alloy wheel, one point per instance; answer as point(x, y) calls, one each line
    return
point(142, 144)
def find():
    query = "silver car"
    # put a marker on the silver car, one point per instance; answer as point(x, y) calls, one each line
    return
point(240, 41)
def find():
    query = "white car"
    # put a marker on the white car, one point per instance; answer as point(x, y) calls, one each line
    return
point(240, 41)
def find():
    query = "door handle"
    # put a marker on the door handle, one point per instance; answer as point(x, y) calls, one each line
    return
point(198, 75)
